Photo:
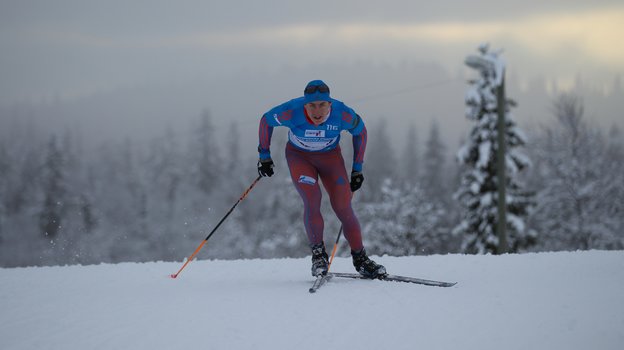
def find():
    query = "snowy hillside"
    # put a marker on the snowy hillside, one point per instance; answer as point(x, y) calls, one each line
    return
point(532, 301)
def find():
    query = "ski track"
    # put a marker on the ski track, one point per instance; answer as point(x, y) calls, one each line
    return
point(566, 300)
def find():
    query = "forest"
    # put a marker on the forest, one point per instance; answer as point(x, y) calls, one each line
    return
point(63, 201)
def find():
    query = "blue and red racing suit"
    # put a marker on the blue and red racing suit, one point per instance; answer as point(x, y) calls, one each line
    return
point(313, 151)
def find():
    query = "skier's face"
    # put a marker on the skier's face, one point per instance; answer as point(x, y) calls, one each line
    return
point(318, 111)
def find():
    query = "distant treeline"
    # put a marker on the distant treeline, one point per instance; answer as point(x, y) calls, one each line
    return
point(157, 199)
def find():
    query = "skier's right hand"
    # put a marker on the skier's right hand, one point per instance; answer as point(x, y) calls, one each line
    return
point(265, 167)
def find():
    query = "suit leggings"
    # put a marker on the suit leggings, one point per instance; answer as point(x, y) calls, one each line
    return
point(305, 170)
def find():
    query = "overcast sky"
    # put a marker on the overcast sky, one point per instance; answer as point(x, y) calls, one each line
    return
point(68, 48)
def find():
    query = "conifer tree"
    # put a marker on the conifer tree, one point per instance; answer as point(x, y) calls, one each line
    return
point(433, 165)
point(411, 157)
point(5, 170)
point(404, 222)
point(479, 184)
point(53, 187)
point(204, 155)
point(582, 186)
point(379, 161)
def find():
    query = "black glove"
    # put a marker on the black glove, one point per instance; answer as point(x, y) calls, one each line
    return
point(265, 167)
point(356, 180)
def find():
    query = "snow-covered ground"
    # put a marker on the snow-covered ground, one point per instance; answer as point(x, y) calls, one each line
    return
point(531, 301)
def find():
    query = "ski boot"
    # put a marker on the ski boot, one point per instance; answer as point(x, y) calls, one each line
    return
point(366, 267)
point(320, 260)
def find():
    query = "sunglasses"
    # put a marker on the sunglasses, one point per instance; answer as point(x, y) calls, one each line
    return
point(324, 89)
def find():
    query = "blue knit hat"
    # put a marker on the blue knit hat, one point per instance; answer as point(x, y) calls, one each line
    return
point(316, 90)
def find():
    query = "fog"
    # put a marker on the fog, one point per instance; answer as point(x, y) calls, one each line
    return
point(419, 93)
point(129, 69)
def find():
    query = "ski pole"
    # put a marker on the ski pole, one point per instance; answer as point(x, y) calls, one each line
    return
point(336, 243)
point(175, 275)
point(335, 248)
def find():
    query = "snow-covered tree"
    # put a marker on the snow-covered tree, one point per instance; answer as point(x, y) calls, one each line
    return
point(434, 176)
point(165, 166)
point(79, 218)
point(478, 191)
point(380, 162)
point(5, 171)
point(233, 160)
point(404, 222)
point(582, 183)
point(20, 196)
point(411, 156)
point(615, 148)
point(122, 193)
point(281, 231)
point(54, 191)
point(204, 154)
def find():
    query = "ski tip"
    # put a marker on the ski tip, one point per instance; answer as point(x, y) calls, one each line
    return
point(446, 284)
point(173, 275)
point(312, 290)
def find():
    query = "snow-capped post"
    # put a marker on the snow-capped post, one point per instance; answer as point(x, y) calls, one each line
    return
point(500, 168)
point(494, 202)
point(492, 68)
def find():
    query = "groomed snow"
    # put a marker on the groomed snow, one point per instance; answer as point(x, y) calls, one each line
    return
point(568, 300)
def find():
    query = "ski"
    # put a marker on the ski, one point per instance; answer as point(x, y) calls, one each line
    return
point(395, 278)
point(319, 282)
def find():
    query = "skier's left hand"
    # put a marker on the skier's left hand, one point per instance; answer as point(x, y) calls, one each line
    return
point(356, 180)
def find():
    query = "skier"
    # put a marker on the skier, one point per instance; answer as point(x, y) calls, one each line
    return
point(315, 121)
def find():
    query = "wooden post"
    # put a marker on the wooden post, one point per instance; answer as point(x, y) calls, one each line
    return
point(500, 160)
